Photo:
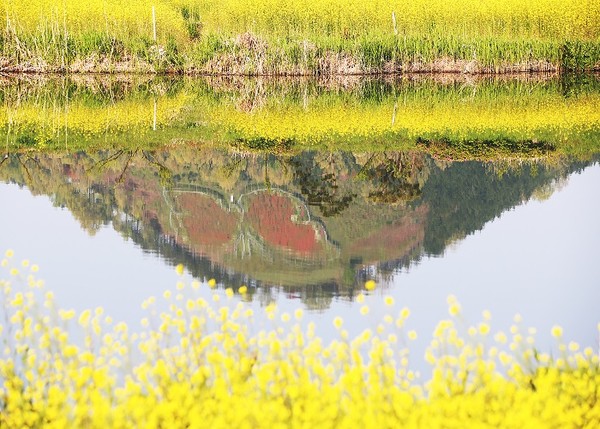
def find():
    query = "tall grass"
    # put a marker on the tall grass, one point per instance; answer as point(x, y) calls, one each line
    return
point(492, 32)
point(302, 37)
point(42, 33)
point(347, 19)
point(120, 19)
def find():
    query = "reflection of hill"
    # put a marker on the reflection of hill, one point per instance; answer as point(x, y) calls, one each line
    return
point(214, 212)
point(464, 196)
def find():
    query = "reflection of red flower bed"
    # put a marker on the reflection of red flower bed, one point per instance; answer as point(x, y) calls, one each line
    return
point(396, 240)
point(205, 221)
point(270, 216)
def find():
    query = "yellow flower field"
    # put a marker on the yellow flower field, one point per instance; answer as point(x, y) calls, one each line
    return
point(117, 18)
point(209, 364)
point(305, 36)
point(544, 19)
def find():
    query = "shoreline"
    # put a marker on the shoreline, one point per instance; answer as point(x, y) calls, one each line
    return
point(249, 55)
point(441, 66)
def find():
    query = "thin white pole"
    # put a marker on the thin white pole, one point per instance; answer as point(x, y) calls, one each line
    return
point(154, 23)
point(154, 120)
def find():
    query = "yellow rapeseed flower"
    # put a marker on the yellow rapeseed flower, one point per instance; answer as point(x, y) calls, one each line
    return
point(207, 354)
point(405, 313)
point(338, 322)
point(84, 318)
point(484, 328)
point(557, 331)
point(454, 309)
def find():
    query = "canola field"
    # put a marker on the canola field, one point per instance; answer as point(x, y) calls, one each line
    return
point(205, 363)
point(301, 37)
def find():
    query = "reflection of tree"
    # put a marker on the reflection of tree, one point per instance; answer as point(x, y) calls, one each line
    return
point(317, 175)
point(314, 297)
point(395, 176)
point(576, 84)
point(91, 206)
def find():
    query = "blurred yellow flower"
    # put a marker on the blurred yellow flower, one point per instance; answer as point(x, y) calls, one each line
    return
point(338, 322)
point(557, 331)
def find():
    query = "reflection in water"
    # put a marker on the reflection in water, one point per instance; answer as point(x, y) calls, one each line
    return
point(315, 223)
point(454, 116)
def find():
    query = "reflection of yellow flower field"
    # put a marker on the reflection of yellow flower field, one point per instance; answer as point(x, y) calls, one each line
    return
point(201, 364)
point(48, 121)
point(330, 119)
point(302, 114)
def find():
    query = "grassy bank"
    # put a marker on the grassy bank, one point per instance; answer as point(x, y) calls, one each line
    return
point(199, 364)
point(306, 37)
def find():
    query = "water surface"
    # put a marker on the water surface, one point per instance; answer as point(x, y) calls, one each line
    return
point(520, 241)
point(108, 193)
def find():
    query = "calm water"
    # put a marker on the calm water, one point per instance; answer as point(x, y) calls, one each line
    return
point(307, 229)
point(516, 243)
